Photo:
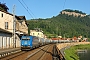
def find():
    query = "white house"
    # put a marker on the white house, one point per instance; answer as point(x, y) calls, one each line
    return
point(6, 24)
point(37, 33)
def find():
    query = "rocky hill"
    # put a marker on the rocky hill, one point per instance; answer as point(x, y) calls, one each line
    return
point(64, 25)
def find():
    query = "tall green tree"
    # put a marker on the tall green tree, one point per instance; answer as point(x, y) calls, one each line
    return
point(3, 7)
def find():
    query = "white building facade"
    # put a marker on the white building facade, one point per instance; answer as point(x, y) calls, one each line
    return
point(5, 39)
point(37, 33)
point(6, 24)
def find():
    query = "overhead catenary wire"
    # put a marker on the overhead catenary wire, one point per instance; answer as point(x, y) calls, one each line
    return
point(64, 4)
point(29, 8)
point(26, 9)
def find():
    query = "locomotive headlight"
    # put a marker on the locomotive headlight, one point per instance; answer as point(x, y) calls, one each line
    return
point(22, 44)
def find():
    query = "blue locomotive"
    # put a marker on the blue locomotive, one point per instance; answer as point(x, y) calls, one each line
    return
point(29, 42)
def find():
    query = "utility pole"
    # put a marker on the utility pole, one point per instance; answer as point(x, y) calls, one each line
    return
point(14, 27)
point(64, 38)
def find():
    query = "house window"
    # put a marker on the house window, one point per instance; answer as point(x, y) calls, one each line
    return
point(38, 33)
point(33, 33)
point(21, 22)
point(6, 25)
point(2, 15)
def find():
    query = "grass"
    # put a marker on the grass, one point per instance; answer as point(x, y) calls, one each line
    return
point(71, 53)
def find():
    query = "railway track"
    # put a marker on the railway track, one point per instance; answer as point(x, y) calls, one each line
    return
point(35, 54)
point(38, 54)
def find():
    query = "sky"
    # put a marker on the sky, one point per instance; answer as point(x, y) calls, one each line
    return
point(45, 8)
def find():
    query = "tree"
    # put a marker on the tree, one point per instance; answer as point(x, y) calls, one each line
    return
point(3, 7)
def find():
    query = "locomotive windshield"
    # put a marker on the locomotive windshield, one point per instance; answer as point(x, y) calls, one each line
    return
point(26, 38)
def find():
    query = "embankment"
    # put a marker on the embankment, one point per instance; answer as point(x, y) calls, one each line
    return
point(63, 46)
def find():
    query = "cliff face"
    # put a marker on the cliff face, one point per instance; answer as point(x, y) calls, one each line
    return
point(73, 13)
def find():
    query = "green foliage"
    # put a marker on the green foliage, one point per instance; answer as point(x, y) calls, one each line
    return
point(89, 39)
point(63, 25)
point(3, 7)
point(71, 53)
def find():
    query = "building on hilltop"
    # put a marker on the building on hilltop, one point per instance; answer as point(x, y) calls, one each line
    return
point(73, 13)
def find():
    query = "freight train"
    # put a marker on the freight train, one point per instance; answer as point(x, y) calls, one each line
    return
point(30, 42)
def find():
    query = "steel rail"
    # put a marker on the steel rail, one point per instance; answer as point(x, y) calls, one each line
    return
point(35, 52)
